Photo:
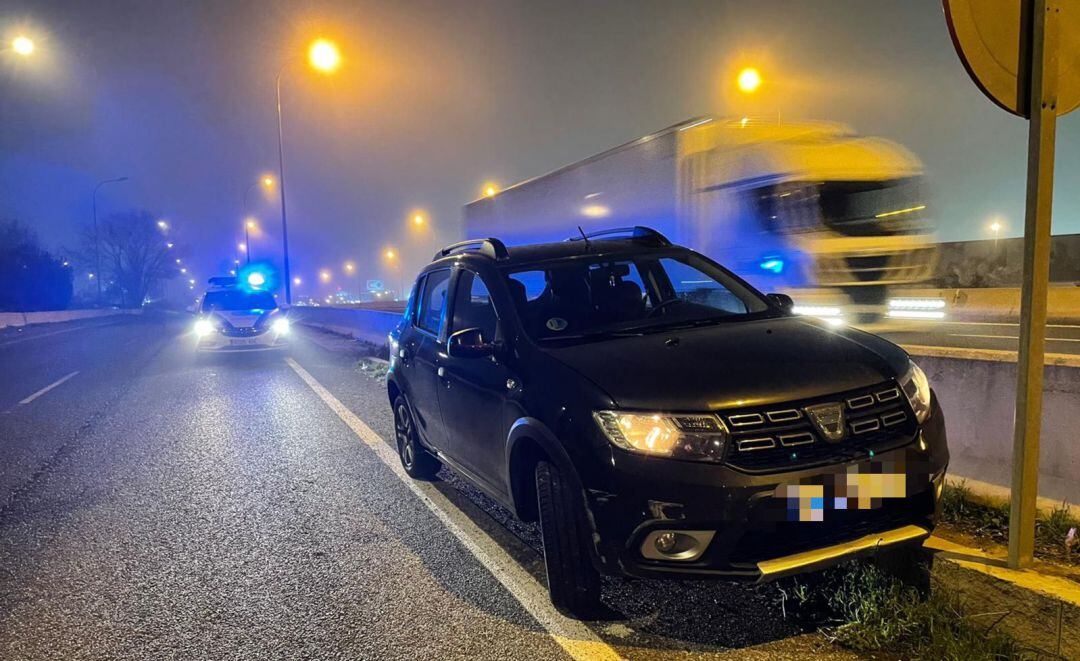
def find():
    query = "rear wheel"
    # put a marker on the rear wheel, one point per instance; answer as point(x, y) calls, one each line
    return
point(416, 461)
point(573, 581)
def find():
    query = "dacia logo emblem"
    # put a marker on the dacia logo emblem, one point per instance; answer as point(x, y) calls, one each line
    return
point(829, 420)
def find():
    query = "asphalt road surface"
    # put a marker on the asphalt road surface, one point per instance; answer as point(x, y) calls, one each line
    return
point(155, 503)
point(1000, 336)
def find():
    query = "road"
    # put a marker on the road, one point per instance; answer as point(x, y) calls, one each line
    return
point(999, 336)
point(155, 503)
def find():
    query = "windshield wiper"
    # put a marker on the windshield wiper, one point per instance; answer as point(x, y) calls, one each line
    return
point(594, 335)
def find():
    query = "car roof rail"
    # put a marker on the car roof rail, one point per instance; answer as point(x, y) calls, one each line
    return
point(489, 247)
point(635, 232)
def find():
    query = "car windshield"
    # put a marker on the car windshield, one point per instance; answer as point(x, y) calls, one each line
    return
point(236, 299)
point(579, 298)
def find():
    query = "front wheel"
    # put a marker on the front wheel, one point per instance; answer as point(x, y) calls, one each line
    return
point(573, 581)
point(416, 461)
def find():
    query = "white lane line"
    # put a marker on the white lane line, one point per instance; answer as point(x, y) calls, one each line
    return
point(47, 388)
point(1013, 337)
point(1013, 324)
point(576, 638)
point(55, 332)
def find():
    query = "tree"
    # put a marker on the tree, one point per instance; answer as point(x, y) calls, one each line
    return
point(30, 278)
point(135, 256)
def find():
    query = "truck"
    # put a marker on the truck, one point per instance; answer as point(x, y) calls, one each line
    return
point(811, 209)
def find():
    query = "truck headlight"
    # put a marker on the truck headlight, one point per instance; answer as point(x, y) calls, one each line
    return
point(696, 437)
point(281, 326)
point(203, 327)
point(917, 388)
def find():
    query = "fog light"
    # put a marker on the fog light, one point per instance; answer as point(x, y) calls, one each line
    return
point(682, 545)
point(665, 542)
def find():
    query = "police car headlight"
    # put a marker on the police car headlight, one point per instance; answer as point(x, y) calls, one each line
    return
point(696, 437)
point(203, 327)
point(917, 388)
point(281, 326)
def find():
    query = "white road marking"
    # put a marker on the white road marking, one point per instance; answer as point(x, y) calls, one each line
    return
point(47, 388)
point(51, 333)
point(579, 641)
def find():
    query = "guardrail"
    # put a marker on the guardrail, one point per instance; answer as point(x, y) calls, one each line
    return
point(55, 316)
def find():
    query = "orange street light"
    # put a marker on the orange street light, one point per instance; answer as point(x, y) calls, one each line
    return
point(749, 80)
point(490, 190)
point(324, 55)
point(267, 181)
point(324, 275)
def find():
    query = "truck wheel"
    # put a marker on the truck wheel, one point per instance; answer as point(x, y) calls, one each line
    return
point(573, 581)
point(416, 461)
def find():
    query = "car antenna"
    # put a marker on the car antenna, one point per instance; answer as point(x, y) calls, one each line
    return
point(584, 238)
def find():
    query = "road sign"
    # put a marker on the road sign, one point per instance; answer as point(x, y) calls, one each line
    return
point(375, 285)
point(1025, 56)
point(990, 37)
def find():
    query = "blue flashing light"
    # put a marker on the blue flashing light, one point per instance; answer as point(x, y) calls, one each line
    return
point(772, 265)
point(256, 279)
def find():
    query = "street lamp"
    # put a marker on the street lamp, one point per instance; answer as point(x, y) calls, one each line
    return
point(490, 190)
point(163, 225)
point(97, 250)
point(748, 80)
point(324, 275)
point(325, 57)
point(418, 219)
point(23, 46)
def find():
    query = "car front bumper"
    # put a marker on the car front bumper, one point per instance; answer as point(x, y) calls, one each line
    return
point(758, 527)
point(218, 341)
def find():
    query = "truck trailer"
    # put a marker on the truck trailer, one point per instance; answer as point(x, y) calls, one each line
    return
point(811, 209)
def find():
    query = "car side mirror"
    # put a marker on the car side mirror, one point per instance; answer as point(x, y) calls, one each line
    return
point(782, 301)
point(469, 343)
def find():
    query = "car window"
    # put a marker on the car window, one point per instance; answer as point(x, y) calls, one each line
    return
point(693, 286)
point(584, 297)
point(433, 301)
point(473, 307)
point(238, 300)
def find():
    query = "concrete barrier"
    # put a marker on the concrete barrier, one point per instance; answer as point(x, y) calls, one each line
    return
point(55, 316)
point(978, 398)
point(367, 325)
point(977, 393)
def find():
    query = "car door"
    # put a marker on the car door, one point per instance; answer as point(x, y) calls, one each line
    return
point(422, 350)
point(473, 391)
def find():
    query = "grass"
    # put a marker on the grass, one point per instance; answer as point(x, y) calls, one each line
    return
point(374, 368)
point(867, 610)
point(991, 521)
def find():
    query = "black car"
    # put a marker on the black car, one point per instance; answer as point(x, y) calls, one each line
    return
point(658, 415)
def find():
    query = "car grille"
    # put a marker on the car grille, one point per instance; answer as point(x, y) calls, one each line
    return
point(783, 437)
point(249, 331)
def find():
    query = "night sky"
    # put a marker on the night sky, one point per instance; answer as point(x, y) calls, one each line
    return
point(436, 97)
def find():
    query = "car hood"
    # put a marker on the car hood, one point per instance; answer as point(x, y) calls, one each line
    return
point(241, 318)
point(735, 364)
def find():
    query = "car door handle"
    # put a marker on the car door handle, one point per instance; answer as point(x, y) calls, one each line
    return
point(441, 372)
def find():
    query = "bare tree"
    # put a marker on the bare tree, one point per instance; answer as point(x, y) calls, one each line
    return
point(135, 255)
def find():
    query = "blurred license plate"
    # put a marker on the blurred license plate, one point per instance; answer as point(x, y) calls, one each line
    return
point(241, 342)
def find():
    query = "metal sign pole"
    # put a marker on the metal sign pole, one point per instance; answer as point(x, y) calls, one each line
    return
point(1043, 45)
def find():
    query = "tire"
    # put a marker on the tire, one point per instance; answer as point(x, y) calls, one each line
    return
point(573, 581)
point(417, 462)
point(910, 564)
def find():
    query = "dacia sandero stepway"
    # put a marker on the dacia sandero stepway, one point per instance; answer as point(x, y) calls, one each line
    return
point(659, 416)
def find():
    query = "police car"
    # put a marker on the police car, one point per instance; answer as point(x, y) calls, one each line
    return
point(236, 317)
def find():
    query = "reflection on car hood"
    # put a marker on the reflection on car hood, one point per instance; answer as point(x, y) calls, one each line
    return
point(734, 364)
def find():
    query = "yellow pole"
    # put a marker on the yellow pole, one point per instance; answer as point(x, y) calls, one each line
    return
point(1043, 76)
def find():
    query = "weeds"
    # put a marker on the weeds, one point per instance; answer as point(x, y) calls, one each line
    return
point(959, 510)
point(867, 610)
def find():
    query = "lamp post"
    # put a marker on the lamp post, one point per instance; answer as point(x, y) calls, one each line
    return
point(323, 56)
point(97, 251)
point(249, 225)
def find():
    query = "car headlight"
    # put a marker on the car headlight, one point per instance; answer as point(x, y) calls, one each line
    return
point(696, 437)
point(281, 326)
point(203, 327)
point(917, 388)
